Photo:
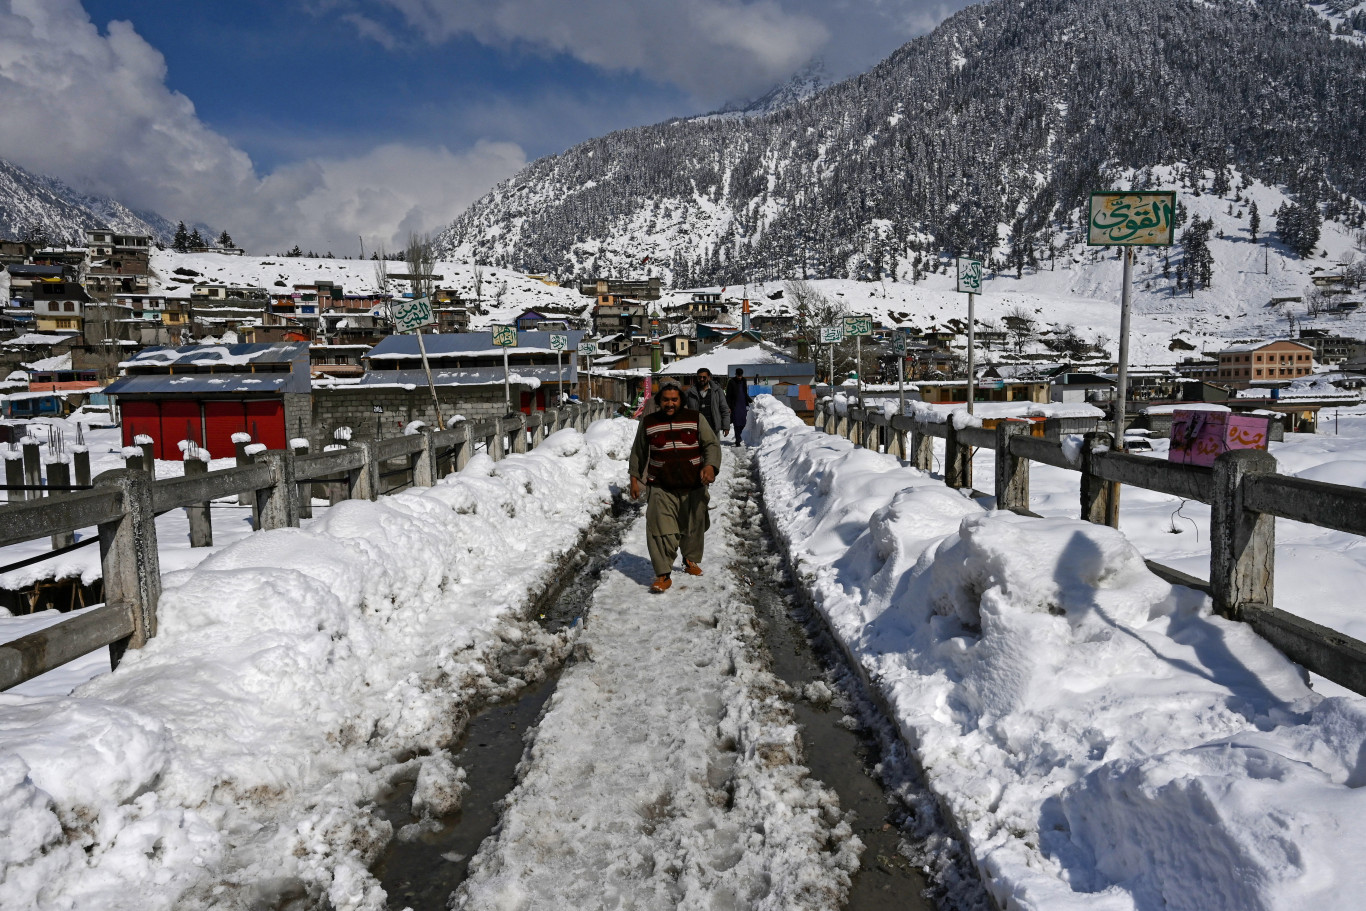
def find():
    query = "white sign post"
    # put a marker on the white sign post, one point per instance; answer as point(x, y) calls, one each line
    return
point(505, 337)
point(970, 283)
point(559, 343)
point(412, 316)
point(587, 350)
point(830, 337)
point(899, 349)
point(858, 327)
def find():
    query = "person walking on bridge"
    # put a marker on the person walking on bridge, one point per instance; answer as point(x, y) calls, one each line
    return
point(738, 397)
point(675, 457)
point(706, 397)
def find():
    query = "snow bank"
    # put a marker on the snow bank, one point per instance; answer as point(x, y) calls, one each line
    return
point(235, 759)
point(1102, 739)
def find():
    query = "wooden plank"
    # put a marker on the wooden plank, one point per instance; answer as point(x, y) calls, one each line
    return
point(979, 437)
point(1043, 451)
point(452, 437)
point(1190, 482)
point(42, 518)
point(37, 653)
point(1177, 577)
point(395, 447)
point(174, 493)
point(1334, 506)
point(325, 464)
point(1327, 652)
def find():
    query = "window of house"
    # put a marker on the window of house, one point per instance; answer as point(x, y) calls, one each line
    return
point(69, 307)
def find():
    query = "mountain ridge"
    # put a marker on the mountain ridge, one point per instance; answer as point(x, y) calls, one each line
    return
point(30, 202)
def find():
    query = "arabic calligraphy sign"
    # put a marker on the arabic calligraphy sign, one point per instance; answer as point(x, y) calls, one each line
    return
point(505, 336)
point(1132, 219)
point(969, 276)
point(559, 342)
point(858, 325)
point(588, 349)
point(832, 335)
point(412, 314)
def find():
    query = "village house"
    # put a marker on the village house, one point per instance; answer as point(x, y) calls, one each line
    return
point(614, 314)
point(1332, 349)
point(207, 393)
point(1261, 363)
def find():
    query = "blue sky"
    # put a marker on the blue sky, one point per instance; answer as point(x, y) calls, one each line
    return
point(313, 121)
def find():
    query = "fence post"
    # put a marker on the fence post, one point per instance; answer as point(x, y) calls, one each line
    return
point(581, 419)
point(493, 444)
point(305, 487)
point(201, 520)
point(819, 419)
point(922, 449)
point(59, 475)
point(896, 443)
point(1098, 496)
point(518, 434)
point(957, 458)
point(424, 469)
point(1242, 543)
point(33, 469)
point(278, 504)
point(14, 476)
point(360, 482)
point(128, 557)
point(80, 458)
point(1012, 472)
point(149, 458)
point(240, 442)
point(460, 456)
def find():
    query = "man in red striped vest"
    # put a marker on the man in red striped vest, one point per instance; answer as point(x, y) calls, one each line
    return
point(675, 456)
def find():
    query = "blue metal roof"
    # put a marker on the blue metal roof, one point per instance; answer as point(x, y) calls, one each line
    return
point(467, 343)
point(210, 383)
point(451, 376)
point(206, 355)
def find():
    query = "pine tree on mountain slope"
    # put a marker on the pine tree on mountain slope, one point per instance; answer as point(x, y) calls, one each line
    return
point(1008, 114)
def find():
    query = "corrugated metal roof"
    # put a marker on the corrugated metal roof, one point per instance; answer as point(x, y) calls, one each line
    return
point(472, 376)
point(467, 343)
point(204, 355)
point(201, 383)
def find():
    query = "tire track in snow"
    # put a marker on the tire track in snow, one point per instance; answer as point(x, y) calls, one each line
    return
point(667, 770)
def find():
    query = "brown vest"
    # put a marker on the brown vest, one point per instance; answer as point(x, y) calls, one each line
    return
point(675, 450)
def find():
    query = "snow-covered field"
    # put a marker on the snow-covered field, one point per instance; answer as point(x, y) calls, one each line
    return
point(667, 771)
point(1102, 739)
point(233, 762)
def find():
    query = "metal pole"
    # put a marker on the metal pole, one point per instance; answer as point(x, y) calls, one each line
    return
point(507, 383)
point(830, 350)
point(858, 366)
point(972, 353)
point(1122, 390)
point(901, 380)
point(559, 376)
point(431, 384)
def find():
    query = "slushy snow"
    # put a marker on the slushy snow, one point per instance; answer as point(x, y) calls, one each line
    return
point(1103, 740)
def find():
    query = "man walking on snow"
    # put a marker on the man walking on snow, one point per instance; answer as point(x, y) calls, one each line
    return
point(706, 397)
point(675, 456)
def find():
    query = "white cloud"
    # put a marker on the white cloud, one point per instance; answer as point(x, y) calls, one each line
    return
point(713, 49)
point(94, 110)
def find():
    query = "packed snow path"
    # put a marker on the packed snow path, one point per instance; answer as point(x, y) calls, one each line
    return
point(667, 771)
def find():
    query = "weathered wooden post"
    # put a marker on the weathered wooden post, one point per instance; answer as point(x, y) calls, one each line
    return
point(362, 482)
point(14, 475)
point(299, 446)
point(128, 556)
point(1098, 502)
point(494, 442)
point(464, 443)
point(149, 457)
point(819, 419)
point(424, 468)
point(581, 418)
point(278, 504)
point(59, 477)
point(1242, 543)
point(240, 442)
point(1012, 472)
point(199, 514)
point(957, 458)
point(896, 444)
point(922, 448)
point(517, 425)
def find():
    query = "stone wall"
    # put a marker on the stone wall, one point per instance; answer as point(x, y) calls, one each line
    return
point(355, 408)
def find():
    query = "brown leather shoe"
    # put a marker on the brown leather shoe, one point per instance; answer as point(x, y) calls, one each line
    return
point(661, 585)
point(691, 568)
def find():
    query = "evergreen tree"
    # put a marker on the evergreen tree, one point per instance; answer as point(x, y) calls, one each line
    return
point(225, 241)
point(1299, 226)
point(197, 240)
point(295, 252)
point(1254, 220)
point(1199, 263)
point(181, 241)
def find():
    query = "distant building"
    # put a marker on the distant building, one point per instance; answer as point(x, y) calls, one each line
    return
point(648, 289)
point(1332, 349)
point(1277, 361)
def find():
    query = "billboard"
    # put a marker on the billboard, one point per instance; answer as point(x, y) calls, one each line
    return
point(1132, 219)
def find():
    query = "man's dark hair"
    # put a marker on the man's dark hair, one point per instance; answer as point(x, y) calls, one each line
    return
point(659, 396)
point(739, 371)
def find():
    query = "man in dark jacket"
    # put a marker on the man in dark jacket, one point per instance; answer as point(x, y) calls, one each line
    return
point(738, 398)
point(706, 397)
point(675, 456)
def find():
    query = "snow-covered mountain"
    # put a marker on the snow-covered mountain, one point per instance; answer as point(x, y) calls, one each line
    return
point(984, 136)
point(29, 203)
point(806, 82)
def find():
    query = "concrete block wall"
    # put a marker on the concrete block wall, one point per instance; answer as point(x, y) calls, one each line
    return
point(355, 408)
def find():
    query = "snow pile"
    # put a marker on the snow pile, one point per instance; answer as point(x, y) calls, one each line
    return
point(1102, 739)
point(234, 760)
